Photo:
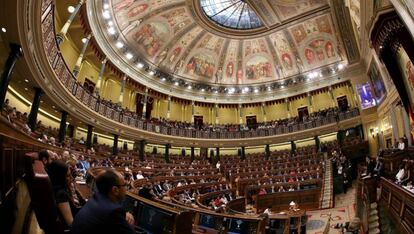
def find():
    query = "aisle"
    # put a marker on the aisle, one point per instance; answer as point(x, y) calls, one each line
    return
point(343, 212)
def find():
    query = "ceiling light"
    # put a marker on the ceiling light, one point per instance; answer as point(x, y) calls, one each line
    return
point(256, 90)
point(26, 80)
point(119, 44)
point(3, 30)
point(26, 89)
point(110, 23)
point(340, 66)
point(269, 88)
point(53, 107)
point(106, 15)
point(111, 30)
point(189, 87)
point(84, 40)
point(140, 65)
point(216, 91)
point(202, 90)
point(176, 83)
point(71, 9)
point(129, 56)
point(163, 79)
point(381, 47)
point(231, 90)
point(246, 89)
point(282, 86)
point(105, 6)
point(151, 73)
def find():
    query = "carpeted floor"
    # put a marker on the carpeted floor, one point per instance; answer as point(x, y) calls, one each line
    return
point(343, 212)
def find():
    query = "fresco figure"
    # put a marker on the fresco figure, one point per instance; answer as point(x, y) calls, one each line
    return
point(310, 55)
point(287, 61)
point(329, 50)
point(137, 10)
point(124, 4)
point(410, 74)
point(230, 69)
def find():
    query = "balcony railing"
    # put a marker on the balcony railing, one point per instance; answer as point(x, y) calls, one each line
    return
point(67, 79)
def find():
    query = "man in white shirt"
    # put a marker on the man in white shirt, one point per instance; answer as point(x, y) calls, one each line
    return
point(139, 175)
point(401, 144)
point(268, 210)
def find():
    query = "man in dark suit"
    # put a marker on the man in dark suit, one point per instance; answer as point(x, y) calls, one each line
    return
point(103, 212)
point(378, 167)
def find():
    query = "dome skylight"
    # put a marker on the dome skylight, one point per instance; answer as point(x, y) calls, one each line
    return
point(235, 14)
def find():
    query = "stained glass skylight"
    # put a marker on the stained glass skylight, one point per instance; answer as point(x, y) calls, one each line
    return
point(235, 14)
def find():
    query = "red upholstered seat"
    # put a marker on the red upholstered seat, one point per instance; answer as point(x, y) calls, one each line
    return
point(41, 195)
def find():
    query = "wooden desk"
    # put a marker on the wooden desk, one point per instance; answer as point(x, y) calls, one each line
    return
point(399, 206)
point(306, 199)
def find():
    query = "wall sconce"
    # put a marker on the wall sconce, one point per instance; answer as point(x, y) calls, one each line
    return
point(374, 132)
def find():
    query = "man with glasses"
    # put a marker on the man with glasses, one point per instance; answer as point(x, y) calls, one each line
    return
point(103, 212)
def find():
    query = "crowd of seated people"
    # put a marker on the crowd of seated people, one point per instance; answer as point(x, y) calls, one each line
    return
point(312, 117)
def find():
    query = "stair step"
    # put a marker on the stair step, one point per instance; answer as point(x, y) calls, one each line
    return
point(373, 218)
point(373, 212)
point(373, 205)
point(373, 225)
point(374, 231)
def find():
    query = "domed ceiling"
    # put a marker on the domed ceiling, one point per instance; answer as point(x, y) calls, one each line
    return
point(222, 42)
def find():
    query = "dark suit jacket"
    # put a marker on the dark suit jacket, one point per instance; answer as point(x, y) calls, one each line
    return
point(101, 215)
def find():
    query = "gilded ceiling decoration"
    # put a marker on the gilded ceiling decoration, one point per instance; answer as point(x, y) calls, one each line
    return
point(301, 37)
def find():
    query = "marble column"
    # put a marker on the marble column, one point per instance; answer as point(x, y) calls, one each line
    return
point(192, 111)
point(287, 106)
point(407, 127)
point(264, 111)
point(89, 137)
point(240, 110)
point(62, 127)
point(167, 153)
point(34, 110)
point(60, 37)
point(144, 105)
point(115, 146)
point(14, 55)
point(310, 102)
point(121, 94)
point(216, 110)
point(101, 73)
point(169, 107)
point(141, 152)
point(394, 125)
point(332, 96)
point(192, 154)
point(79, 61)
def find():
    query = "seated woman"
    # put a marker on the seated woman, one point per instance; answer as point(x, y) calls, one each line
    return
point(60, 176)
point(403, 174)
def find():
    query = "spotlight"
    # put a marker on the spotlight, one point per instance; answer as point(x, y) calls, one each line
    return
point(71, 9)
point(119, 44)
point(340, 66)
point(106, 15)
point(151, 73)
point(111, 30)
point(129, 56)
point(140, 65)
point(176, 83)
point(84, 40)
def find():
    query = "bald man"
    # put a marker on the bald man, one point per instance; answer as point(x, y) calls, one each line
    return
point(103, 212)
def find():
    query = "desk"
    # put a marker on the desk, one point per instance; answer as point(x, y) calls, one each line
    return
point(399, 206)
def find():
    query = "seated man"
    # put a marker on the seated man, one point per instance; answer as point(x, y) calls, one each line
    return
point(103, 212)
